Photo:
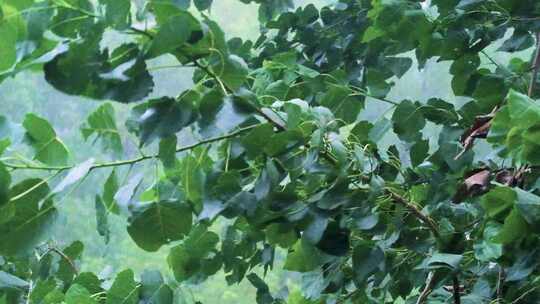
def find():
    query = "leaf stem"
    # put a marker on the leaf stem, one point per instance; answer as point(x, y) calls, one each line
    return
point(45, 181)
point(64, 257)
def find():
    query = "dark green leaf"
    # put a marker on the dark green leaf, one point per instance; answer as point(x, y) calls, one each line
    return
point(160, 118)
point(203, 4)
point(117, 13)
point(302, 257)
point(156, 224)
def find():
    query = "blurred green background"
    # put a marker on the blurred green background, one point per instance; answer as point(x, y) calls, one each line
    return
point(29, 92)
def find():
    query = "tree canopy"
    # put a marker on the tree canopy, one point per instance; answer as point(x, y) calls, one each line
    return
point(435, 201)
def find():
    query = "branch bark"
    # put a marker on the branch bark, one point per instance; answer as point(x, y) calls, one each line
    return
point(456, 290)
point(426, 220)
point(430, 282)
point(500, 281)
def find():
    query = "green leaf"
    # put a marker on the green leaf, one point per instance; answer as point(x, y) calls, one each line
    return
point(66, 273)
point(89, 281)
point(109, 191)
point(438, 260)
point(256, 140)
point(408, 120)
point(84, 69)
point(281, 234)
point(520, 40)
point(5, 181)
point(440, 112)
point(490, 91)
point(230, 69)
point(366, 260)
point(117, 13)
point(102, 124)
point(303, 257)
point(102, 222)
point(156, 224)
point(187, 260)
point(528, 205)
point(165, 9)
point(154, 290)
point(203, 4)
point(34, 212)
point(263, 292)
point(49, 149)
point(342, 105)
point(167, 151)
point(124, 290)
point(193, 178)
point(419, 152)
point(8, 51)
point(520, 140)
point(41, 289)
point(487, 249)
point(515, 227)
point(74, 21)
point(77, 294)
point(159, 118)
point(398, 65)
point(173, 33)
point(498, 201)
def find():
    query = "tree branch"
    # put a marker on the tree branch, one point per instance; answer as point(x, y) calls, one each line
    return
point(63, 256)
point(278, 125)
point(142, 32)
point(227, 90)
point(138, 159)
point(430, 282)
point(426, 220)
point(523, 295)
point(456, 290)
point(500, 281)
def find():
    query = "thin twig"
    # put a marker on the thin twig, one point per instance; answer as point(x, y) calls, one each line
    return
point(429, 222)
point(64, 257)
point(523, 295)
point(277, 124)
point(142, 32)
point(227, 90)
point(430, 282)
point(134, 160)
point(37, 185)
point(500, 281)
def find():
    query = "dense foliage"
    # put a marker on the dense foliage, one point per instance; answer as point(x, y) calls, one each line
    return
point(434, 202)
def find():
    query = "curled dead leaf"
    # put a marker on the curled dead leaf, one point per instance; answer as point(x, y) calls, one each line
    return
point(479, 129)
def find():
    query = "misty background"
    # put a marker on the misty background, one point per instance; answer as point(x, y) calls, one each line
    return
point(29, 92)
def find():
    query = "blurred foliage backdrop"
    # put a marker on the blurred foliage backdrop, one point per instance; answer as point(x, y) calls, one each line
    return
point(29, 92)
